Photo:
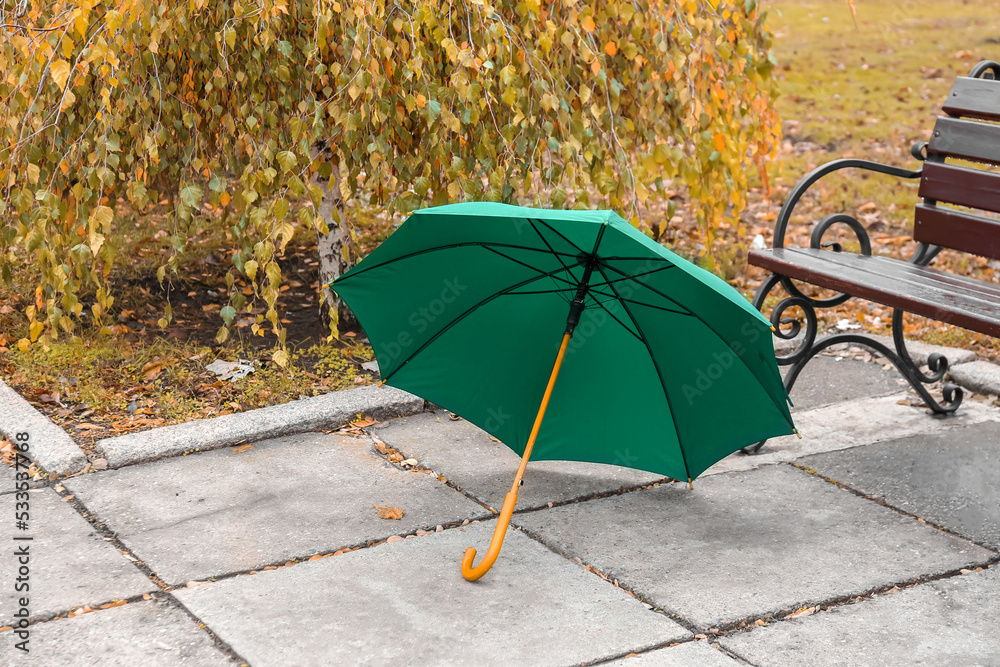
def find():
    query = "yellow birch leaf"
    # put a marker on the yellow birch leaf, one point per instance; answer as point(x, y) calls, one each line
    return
point(60, 72)
point(588, 24)
point(611, 48)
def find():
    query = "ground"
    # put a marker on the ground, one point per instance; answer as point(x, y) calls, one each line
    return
point(873, 540)
point(867, 88)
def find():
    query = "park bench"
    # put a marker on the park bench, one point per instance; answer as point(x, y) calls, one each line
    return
point(968, 132)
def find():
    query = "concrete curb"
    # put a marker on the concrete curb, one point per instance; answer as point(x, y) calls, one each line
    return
point(309, 414)
point(979, 376)
point(50, 446)
point(919, 352)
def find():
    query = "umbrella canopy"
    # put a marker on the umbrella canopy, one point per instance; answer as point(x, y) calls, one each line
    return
point(661, 365)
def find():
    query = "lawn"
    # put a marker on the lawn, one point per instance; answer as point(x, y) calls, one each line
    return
point(865, 89)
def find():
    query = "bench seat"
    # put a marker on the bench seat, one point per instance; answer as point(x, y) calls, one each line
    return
point(946, 297)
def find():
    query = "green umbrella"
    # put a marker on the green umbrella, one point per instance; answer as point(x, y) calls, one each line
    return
point(664, 367)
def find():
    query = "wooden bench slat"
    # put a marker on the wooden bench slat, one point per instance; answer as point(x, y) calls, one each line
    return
point(958, 230)
point(960, 185)
point(974, 98)
point(957, 300)
point(968, 139)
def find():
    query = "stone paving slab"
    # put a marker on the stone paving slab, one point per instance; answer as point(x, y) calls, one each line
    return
point(860, 422)
point(951, 479)
point(49, 446)
point(407, 603)
point(70, 564)
point(146, 634)
point(690, 654)
point(947, 622)
point(308, 414)
point(825, 381)
point(466, 455)
point(216, 512)
point(749, 544)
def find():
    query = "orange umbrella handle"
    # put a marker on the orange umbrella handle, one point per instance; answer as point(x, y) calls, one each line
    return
point(474, 573)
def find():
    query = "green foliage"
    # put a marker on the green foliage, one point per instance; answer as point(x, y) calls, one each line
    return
point(244, 106)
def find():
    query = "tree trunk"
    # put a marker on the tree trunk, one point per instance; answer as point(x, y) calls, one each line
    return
point(333, 247)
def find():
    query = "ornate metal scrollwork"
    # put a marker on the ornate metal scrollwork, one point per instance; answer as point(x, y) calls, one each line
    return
point(816, 241)
point(788, 328)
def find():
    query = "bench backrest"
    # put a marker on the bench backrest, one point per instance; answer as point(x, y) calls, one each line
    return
point(969, 132)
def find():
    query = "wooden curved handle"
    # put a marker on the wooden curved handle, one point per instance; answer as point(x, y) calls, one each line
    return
point(473, 573)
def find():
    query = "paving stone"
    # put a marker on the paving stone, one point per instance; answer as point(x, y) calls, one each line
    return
point(207, 514)
point(308, 414)
point(407, 603)
point(690, 654)
point(951, 479)
point(147, 633)
point(466, 455)
point(7, 478)
point(980, 376)
point(860, 422)
point(825, 381)
point(49, 446)
point(748, 544)
point(70, 564)
point(947, 622)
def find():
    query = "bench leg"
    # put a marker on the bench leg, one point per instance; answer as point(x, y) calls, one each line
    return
point(900, 358)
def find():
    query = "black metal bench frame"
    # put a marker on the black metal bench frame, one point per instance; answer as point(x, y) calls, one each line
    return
point(935, 228)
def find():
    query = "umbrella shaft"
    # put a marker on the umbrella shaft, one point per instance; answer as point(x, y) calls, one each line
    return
point(541, 411)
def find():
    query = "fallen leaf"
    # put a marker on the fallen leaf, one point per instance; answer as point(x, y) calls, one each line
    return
point(68, 498)
point(151, 370)
point(89, 427)
point(807, 611)
point(242, 448)
point(391, 513)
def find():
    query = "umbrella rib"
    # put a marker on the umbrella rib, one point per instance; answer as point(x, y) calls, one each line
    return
point(633, 277)
point(659, 374)
point(482, 244)
point(571, 284)
point(557, 233)
point(465, 314)
point(663, 308)
point(549, 246)
point(717, 335)
point(623, 325)
point(615, 259)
